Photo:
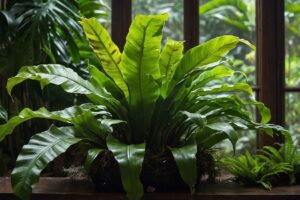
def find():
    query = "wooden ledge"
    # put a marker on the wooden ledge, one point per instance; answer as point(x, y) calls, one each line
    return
point(82, 189)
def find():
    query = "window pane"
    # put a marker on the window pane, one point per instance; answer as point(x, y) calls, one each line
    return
point(292, 110)
point(174, 26)
point(231, 18)
point(292, 42)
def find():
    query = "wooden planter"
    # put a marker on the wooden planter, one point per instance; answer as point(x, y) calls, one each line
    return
point(83, 189)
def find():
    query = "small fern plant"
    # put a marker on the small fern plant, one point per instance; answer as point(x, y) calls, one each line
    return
point(252, 171)
point(287, 153)
point(146, 98)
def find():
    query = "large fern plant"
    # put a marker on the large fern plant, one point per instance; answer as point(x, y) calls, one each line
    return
point(143, 98)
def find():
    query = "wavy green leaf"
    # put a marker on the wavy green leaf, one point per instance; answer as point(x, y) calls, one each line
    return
point(207, 53)
point(35, 156)
point(140, 68)
point(91, 156)
point(68, 79)
point(168, 61)
point(226, 128)
point(100, 80)
point(106, 50)
point(56, 74)
point(71, 115)
point(130, 159)
point(185, 157)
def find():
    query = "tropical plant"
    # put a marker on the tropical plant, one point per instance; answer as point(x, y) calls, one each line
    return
point(251, 170)
point(143, 99)
point(42, 31)
point(287, 153)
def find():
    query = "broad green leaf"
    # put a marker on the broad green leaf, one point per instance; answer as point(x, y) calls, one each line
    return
point(130, 159)
point(69, 80)
point(106, 50)
point(55, 74)
point(227, 129)
point(35, 156)
point(210, 75)
point(3, 114)
point(196, 118)
point(140, 68)
point(169, 58)
point(91, 156)
point(186, 161)
point(207, 53)
point(207, 141)
point(71, 115)
point(100, 80)
point(224, 88)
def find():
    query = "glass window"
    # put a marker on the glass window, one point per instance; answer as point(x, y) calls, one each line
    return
point(174, 26)
point(292, 42)
point(231, 18)
point(292, 65)
point(292, 110)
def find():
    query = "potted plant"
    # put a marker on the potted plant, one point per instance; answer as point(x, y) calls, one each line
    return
point(152, 114)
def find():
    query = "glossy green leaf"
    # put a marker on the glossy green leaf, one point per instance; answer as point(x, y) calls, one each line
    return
point(224, 88)
point(71, 115)
point(69, 80)
point(196, 118)
point(185, 157)
point(209, 52)
point(35, 156)
point(140, 68)
point(227, 129)
point(91, 156)
point(100, 80)
point(210, 75)
point(56, 74)
point(106, 50)
point(130, 159)
point(168, 61)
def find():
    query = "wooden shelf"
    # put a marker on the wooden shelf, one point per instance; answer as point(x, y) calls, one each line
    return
point(82, 189)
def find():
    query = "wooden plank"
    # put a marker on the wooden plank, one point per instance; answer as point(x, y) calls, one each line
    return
point(191, 23)
point(81, 189)
point(270, 61)
point(121, 20)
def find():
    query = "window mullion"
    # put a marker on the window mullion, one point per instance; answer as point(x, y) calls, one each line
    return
point(121, 20)
point(191, 23)
point(270, 61)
